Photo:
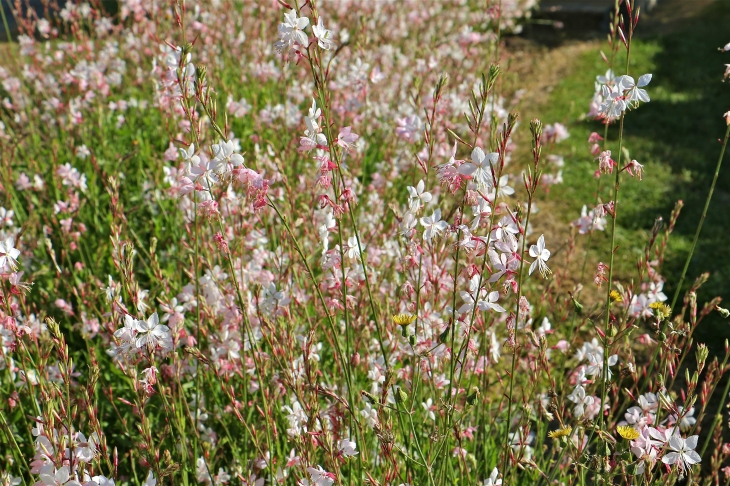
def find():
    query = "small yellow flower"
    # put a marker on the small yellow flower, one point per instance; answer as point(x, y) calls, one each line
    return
point(616, 296)
point(627, 432)
point(561, 432)
point(404, 319)
point(661, 310)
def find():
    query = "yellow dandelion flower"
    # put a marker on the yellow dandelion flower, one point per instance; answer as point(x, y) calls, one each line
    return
point(661, 310)
point(616, 296)
point(561, 432)
point(404, 319)
point(627, 432)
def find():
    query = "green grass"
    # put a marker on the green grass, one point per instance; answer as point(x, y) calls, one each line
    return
point(675, 136)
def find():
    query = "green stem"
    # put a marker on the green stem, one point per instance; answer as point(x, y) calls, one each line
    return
point(702, 218)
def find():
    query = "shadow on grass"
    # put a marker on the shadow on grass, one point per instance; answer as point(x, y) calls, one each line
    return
point(680, 128)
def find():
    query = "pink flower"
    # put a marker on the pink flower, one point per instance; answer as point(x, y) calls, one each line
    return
point(409, 128)
point(346, 139)
point(605, 163)
point(634, 166)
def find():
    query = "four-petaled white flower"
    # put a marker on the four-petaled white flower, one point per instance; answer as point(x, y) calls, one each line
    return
point(480, 168)
point(491, 303)
point(595, 364)
point(635, 93)
point(9, 254)
point(320, 477)
point(348, 448)
point(541, 255)
point(324, 36)
point(353, 249)
point(578, 396)
point(589, 221)
point(49, 475)
point(189, 157)
point(150, 333)
point(621, 93)
point(224, 157)
point(291, 31)
point(481, 212)
point(418, 195)
point(433, 224)
point(683, 453)
point(614, 103)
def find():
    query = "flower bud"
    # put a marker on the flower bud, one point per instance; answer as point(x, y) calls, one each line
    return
point(701, 356)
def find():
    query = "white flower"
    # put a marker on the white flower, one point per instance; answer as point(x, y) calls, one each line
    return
point(150, 333)
point(6, 216)
point(433, 224)
point(370, 415)
point(606, 78)
point(126, 337)
point(6, 479)
point(684, 454)
point(329, 223)
point(291, 31)
point(417, 196)
point(189, 157)
point(480, 168)
point(353, 250)
point(578, 396)
point(504, 226)
point(635, 93)
point(224, 157)
point(481, 211)
point(8, 253)
point(614, 103)
point(103, 481)
point(86, 449)
point(595, 364)
point(469, 296)
point(274, 298)
point(503, 189)
point(324, 36)
point(541, 255)
point(320, 477)
point(428, 407)
point(491, 303)
point(688, 419)
point(658, 438)
point(348, 448)
point(492, 479)
point(150, 481)
point(312, 118)
point(589, 221)
point(51, 476)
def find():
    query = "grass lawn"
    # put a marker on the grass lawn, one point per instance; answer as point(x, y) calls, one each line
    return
point(675, 137)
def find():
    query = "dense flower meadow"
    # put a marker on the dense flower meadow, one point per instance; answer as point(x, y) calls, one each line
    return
point(276, 242)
